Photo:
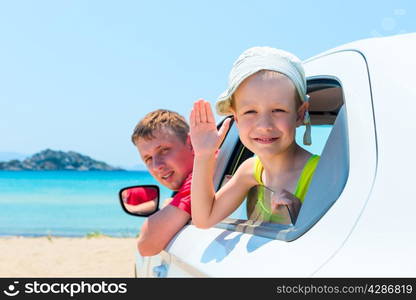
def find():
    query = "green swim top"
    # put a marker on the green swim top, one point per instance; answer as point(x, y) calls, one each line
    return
point(300, 192)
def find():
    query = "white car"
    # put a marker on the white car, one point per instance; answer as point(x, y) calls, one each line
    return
point(357, 218)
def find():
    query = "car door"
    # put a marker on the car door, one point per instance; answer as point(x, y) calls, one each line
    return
point(238, 247)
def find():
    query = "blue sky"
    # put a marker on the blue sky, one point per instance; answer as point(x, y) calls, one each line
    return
point(78, 75)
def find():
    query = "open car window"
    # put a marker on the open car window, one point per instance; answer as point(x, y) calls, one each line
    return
point(326, 103)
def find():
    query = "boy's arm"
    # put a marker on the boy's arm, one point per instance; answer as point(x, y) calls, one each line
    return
point(205, 139)
point(157, 231)
point(230, 196)
point(207, 207)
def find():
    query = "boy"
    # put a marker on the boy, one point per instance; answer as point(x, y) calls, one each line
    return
point(267, 97)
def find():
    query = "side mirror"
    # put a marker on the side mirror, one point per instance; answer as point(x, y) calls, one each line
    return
point(140, 200)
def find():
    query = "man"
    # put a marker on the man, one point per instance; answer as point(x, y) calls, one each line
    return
point(162, 140)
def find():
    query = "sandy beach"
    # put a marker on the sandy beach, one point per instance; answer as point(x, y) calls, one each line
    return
point(67, 257)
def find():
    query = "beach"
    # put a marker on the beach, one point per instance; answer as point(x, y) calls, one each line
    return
point(63, 257)
point(67, 224)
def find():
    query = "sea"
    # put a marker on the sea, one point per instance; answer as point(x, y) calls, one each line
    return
point(80, 203)
point(68, 203)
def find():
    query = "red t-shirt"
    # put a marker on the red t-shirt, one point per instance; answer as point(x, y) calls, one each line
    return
point(139, 195)
point(182, 199)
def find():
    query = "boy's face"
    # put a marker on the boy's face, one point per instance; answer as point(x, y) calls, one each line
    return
point(167, 158)
point(266, 114)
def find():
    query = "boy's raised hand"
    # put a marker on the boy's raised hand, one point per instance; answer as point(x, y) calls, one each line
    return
point(205, 137)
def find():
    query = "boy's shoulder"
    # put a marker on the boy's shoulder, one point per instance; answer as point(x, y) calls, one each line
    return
point(246, 170)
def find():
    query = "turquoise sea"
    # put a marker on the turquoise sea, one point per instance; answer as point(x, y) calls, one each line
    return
point(68, 203)
point(71, 203)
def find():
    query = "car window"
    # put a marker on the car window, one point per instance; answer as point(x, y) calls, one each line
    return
point(320, 135)
point(247, 218)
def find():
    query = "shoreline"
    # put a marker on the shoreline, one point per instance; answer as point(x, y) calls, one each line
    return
point(63, 257)
point(87, 235)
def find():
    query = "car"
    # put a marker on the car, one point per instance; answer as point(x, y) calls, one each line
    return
point(357, 218)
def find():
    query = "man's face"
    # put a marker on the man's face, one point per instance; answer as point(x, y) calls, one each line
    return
point(167, 158)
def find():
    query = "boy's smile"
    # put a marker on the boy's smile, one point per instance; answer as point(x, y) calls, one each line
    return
point(265, 140)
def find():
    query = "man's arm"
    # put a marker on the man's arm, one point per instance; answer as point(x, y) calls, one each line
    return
point(159, 229)
point(143, 208)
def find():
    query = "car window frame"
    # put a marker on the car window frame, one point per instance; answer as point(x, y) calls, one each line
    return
point(238, 220)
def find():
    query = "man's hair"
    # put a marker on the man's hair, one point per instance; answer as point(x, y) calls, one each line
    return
point(160, 119)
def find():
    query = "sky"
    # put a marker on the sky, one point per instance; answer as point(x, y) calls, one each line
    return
point(78, 75)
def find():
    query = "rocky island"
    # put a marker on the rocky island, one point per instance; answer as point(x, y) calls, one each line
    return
point(51, 160)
